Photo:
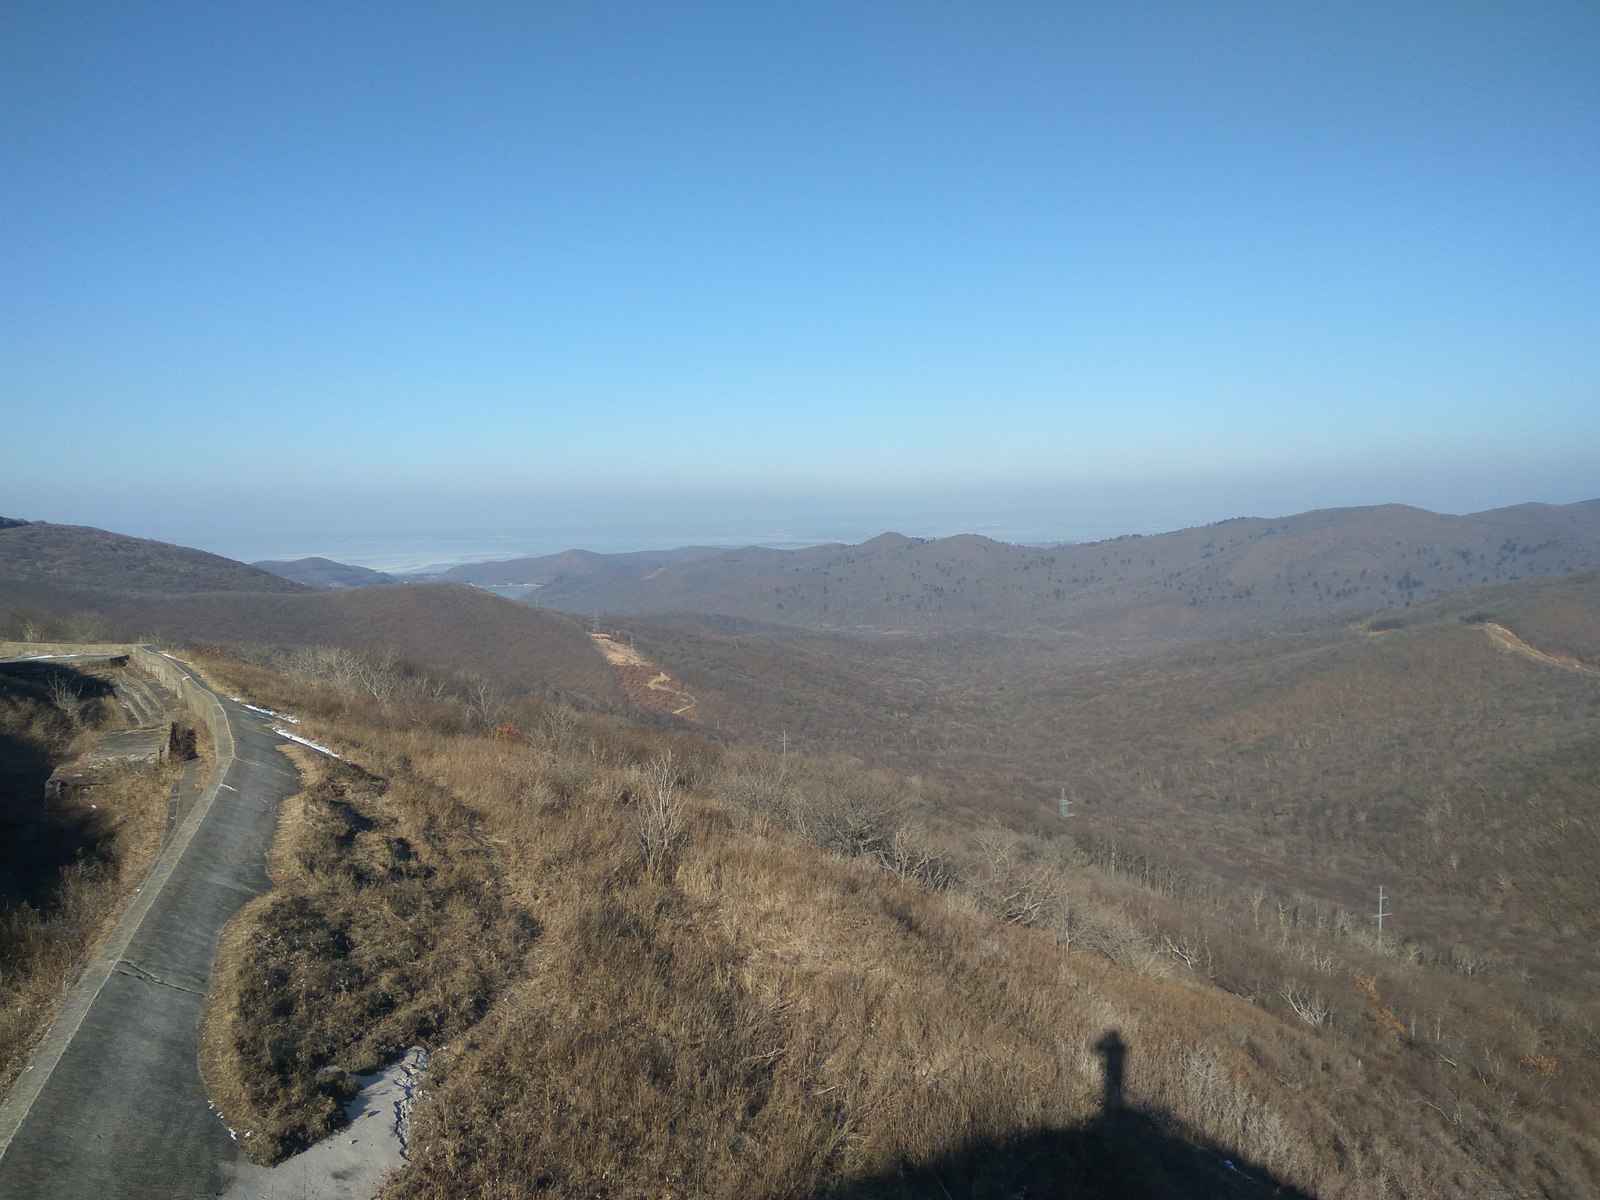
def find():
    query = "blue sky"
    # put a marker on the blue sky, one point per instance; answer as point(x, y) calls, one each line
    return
point(596, 268)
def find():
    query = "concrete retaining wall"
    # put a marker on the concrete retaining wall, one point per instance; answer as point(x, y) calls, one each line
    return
point(169, 672)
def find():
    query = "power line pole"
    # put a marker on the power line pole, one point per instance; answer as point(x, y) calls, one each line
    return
point(1066, 805)
point(785, 741)
point(1382, 913)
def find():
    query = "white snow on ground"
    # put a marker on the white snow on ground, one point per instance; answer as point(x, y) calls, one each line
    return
point(265, 712)
point(353, 1163)
point(284, 733)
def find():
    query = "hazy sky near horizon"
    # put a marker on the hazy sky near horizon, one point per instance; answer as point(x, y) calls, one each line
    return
point(370, 267)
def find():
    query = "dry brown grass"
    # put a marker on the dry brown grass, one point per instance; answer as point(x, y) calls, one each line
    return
point(763, 1009)
point(387, 928)
point(67, 868)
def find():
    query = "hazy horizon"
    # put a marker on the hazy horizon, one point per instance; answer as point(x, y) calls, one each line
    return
point(434, 546)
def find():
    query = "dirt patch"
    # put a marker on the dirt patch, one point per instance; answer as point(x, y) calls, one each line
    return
point(1504, 638)
point(645, 684)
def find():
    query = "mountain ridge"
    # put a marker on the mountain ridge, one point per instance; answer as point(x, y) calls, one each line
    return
point(1207, 581)
point(39, 558)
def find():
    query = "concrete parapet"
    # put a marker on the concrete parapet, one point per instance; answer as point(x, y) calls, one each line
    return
point(169, 672)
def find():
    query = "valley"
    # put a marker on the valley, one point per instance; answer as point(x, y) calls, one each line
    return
point(702, 902)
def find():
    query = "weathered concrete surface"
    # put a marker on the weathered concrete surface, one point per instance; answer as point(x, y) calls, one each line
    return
point(353, 1163)
point(112, 1104)
point(146, 746)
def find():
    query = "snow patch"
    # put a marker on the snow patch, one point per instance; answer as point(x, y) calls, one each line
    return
point(352, 1163)
point(284, 733)
point(265, 712)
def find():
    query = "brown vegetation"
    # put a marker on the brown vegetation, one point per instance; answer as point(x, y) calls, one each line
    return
point(386, 928)
point(675, 968)
point(645, 684)
point(67, 566)
point(1318, 760)
point(1139, 593)
point(448, 628)
point(68, 866)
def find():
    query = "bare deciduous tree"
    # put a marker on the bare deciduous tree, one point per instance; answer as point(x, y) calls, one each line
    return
point(1308, 1006)
point(659, 825)
point(486, 702)
point(856, 817)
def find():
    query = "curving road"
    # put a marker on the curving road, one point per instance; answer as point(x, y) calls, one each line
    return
point(112, 1105)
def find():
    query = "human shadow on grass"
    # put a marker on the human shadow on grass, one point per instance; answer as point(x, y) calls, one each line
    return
point(1123, 1153)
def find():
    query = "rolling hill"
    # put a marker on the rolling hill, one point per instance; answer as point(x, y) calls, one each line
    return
point(324, 574)
point(42, 563)
point(571, 564)
point(89, 584)
point(1138, 592)
point(1444, 745)
point(764, 974)
point(452, 628)
point(875, 957)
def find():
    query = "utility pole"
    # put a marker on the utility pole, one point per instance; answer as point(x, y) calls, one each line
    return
point(786, 741)
point(1066, 805)
point(1382, 913)
point(595, 625)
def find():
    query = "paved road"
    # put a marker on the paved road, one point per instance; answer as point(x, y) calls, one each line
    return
point(112, 1105)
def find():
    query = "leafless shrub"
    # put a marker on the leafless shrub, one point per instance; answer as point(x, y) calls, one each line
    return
point(1256, 896)
point(558, 724)
point(1014, 886)
point(1069, 923)
point(1115, 935)
point(1310, 1007)
point(911, 859)
point(1192, 950)
point(87, 626)
point(659, 824)
point(378, 674)
point(67, 697)
point(850, 817)
point(486, 702)
point(1319, 958)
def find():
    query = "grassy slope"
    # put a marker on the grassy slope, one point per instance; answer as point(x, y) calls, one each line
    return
point(450, 628)
point(1319, 762)
point(1166, 748)
point(1008, 714)
point(749, 1014)
point(99, 584)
